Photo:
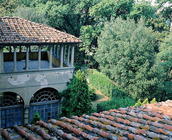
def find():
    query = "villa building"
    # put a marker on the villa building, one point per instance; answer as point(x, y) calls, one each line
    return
point(36, 62)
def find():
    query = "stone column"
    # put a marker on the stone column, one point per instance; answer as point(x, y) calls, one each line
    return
point(61, 57)
point(57, 51)
point(15, 59)
point(26, 114)
point(50, 57)
point(27, 57)
point(72, 56)
point(39, 57)
point(68, 56)
point(1, 60)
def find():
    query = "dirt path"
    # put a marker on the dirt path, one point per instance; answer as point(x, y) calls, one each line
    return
point(100, 98)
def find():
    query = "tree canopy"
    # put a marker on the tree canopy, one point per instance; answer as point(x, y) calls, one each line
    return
point(126, 52)
point(164, 66)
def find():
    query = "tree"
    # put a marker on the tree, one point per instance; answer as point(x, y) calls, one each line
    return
point(99, 13)
point(7, 7)
point(77, 96)
point(126, 53)
point(164, 67)
point(30, 14)
point(165, 9)
point(142, 9)
point(106, 9)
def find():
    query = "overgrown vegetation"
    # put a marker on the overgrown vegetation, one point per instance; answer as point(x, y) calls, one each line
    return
point(77, 96)
point(36, 117)
point(117, 97)
point(101, 82)
point(164, 66)
point(115, 103)
point(126, 53)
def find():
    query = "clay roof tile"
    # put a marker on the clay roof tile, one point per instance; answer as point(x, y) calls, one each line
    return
point(139, 123)
point(18, 30)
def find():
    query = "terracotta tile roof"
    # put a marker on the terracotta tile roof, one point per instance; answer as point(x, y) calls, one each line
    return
point(18, 30)
point(136, 123)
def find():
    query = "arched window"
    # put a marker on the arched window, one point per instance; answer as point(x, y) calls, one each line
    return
point(47, 94)
point(10, 98)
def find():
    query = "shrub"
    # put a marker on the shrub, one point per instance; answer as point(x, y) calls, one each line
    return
point(36, 117)
point(138, 103)
point(115, 102)
point(77, 96)
point(146, 101)
point(153, 101)
point(101, 82)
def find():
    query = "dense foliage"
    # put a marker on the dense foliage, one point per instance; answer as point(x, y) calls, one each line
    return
point(77, 96)
point(117, 96)
point(164, 67)
point(126, 53)
point(115, 103)
point(101, 82)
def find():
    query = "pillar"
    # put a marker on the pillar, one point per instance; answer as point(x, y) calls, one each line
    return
point(54, 50)
point(27, 57)
point(39, 57)
point(61, 57)
point(15, 59)
point(68, 56)
point(50, 57)
point(72, 56)
point(26, 114)
point(1, 60)
point(57, 51)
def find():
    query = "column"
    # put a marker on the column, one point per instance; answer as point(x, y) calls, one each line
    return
point(68, 56)
point(26, 114)
point(57, 51)
point(1, 60)
point(27, 57)
point(61, 56)
point(39, 57)
point(54, 50)
point(50, 57)
point(64, 55)
point(72, 56)
point(15, 59)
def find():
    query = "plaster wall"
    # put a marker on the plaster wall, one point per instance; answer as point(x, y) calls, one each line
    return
point(27, 83)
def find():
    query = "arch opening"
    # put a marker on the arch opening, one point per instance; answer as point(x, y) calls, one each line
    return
point(10, 99)
point(45, 94)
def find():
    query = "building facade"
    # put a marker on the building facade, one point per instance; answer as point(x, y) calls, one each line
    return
point(36, 62)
